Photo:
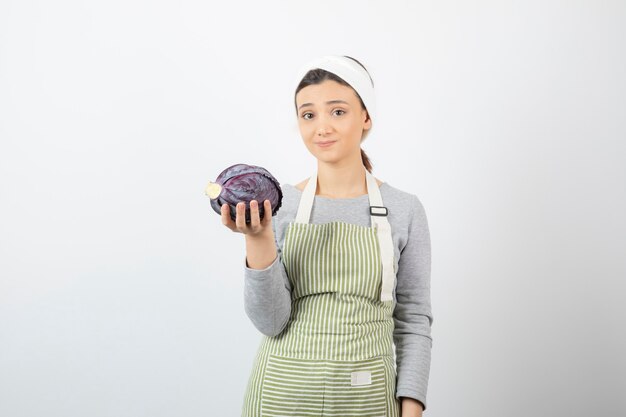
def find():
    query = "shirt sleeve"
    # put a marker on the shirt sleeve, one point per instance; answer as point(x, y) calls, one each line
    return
point(412, 315)
point(267, 294)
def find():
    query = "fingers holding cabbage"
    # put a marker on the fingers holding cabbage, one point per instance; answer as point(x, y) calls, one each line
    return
point(256, 226)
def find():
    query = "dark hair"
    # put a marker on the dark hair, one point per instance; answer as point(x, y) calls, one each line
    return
point(317, 76)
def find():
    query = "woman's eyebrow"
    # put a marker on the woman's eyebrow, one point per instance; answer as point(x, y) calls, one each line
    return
point(327, 103)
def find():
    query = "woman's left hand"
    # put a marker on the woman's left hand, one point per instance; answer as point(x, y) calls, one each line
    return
point(411, 407)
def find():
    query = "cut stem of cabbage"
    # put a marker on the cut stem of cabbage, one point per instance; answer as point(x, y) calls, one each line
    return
point(213, 190)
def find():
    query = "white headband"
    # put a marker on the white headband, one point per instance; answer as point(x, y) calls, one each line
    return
point(349, 71)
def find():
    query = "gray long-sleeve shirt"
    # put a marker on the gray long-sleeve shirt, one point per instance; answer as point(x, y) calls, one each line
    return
point(267, 292)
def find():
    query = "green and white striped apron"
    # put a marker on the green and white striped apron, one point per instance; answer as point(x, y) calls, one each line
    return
point(335, 356)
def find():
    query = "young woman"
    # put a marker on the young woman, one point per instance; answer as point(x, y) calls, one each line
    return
point(338, 281)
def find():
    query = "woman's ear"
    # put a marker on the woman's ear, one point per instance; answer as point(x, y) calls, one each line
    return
point(368, 122)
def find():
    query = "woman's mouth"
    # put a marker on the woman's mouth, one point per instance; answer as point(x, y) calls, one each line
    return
point(325, 144)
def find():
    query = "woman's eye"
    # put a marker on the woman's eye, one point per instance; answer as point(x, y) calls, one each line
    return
point(342, 112)
point(304, 116)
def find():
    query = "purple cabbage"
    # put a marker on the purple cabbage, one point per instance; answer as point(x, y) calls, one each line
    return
point(241, 182)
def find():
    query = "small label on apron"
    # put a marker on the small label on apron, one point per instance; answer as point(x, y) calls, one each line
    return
point(361, 378)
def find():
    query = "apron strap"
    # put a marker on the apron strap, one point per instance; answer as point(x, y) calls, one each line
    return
point(306, 200)
point(378, 214)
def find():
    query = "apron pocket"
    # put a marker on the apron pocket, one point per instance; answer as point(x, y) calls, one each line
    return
point(305, 387)
point(356, 388)
point(292, 387)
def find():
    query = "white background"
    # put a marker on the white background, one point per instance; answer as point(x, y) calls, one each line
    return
point(120, 289)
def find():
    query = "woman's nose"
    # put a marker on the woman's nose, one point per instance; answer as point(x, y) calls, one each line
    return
point(323, 127)
point(322, 131)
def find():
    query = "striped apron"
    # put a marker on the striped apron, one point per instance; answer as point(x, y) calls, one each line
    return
point(335, 356)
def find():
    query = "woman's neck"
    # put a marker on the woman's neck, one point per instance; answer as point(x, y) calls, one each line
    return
point(345, 181)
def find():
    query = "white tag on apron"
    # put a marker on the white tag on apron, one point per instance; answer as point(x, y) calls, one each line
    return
point(361, 378)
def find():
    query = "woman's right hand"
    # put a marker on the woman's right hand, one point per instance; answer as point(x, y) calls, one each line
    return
point(256, 227)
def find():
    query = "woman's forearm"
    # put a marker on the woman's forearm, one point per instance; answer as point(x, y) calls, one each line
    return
point(411, 407)
point(260, 250)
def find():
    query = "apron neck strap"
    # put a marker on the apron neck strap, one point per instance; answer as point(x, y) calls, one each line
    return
point(308, 195)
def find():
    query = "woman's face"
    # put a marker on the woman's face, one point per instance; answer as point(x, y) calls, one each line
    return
point(330, 111)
